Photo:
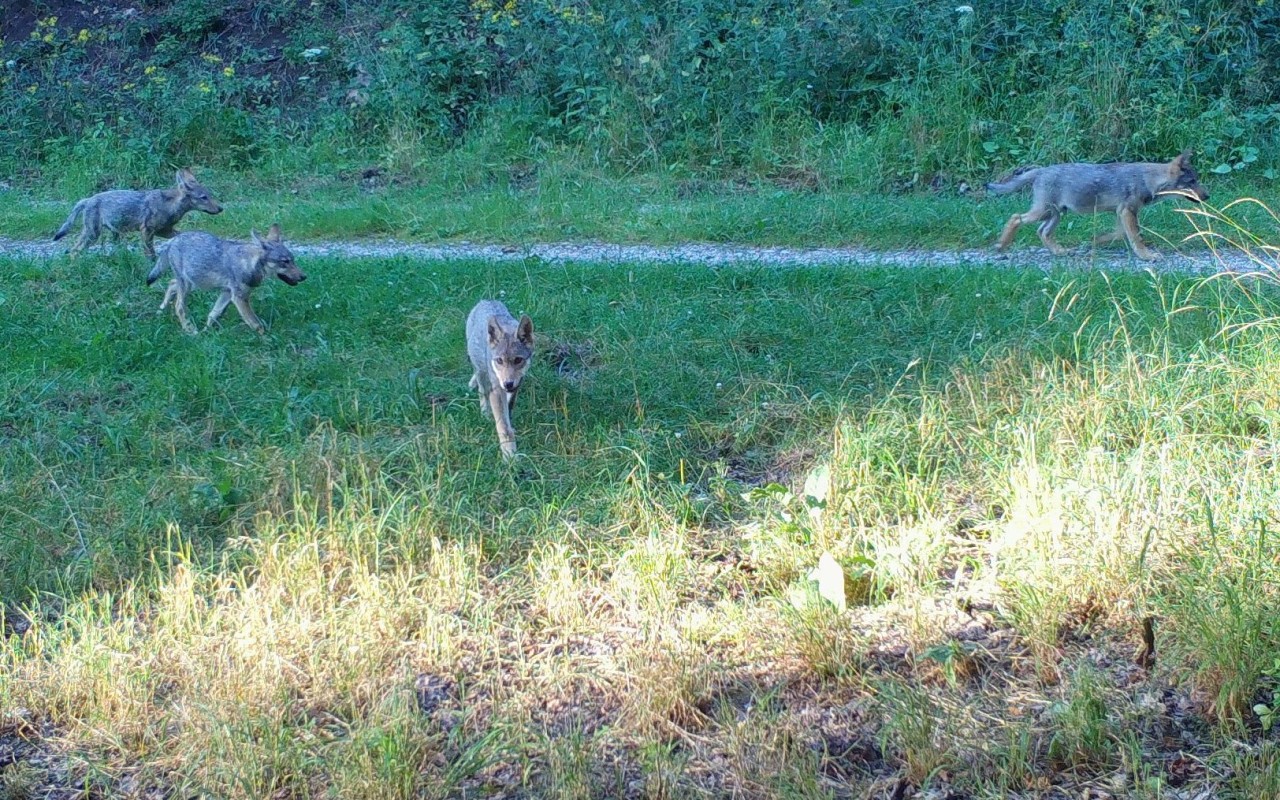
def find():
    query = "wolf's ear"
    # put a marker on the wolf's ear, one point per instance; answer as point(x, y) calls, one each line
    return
point(495, 332)
point(185, 177)
point(273, 235)
point(254, 236)
point(1184, 158)
point(525, 332)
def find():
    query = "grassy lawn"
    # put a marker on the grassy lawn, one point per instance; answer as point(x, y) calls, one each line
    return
point(568, 204)
point(294, 566)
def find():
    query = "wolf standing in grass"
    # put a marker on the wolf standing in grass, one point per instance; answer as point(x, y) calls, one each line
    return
point(500, 349)
point(1092, 188)
point(203, 261)
point(153, 212)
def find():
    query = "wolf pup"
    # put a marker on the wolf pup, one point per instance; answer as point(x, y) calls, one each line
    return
point(500, 349)
point(203, 261)
point(153, 212)
point(1091, 188)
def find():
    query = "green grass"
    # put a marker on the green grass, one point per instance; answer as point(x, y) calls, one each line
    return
point(370, 352)
point(567, 203)
point(295, 564)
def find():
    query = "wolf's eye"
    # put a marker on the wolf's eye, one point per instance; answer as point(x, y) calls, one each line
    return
point(517, 361)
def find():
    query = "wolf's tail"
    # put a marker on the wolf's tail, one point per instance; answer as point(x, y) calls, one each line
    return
point(76, 210)
point(162, 264)
point(1018, 179)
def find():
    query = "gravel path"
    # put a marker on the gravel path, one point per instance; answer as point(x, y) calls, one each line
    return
point(1031, 257)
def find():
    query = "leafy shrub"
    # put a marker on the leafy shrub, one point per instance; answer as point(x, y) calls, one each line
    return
point(716, 85)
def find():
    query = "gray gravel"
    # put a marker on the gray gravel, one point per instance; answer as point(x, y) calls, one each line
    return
point(1031, 257)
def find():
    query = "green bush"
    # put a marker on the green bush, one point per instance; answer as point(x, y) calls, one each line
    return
point(714, 86)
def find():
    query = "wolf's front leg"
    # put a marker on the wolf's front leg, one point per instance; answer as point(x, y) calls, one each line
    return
point(1129, 224)
point(479, 387)
point(246, 312)
point(498, 403)
point(219, 306)
point(148, 243)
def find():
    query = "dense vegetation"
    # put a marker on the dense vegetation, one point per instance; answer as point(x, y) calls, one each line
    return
point(867, 95)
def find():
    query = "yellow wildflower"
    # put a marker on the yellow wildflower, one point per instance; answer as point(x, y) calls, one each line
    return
point(204, 87)
point(229, 71)
point(150, 69)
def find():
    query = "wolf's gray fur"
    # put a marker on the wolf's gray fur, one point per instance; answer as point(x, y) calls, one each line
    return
point(1091, 188)
point(499, 348)
point(203, 261)
point(153, 212)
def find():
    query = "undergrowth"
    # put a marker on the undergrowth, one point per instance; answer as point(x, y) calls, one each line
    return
point(870, 96)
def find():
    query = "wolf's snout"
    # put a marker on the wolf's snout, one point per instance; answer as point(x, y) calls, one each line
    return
point(510, 386)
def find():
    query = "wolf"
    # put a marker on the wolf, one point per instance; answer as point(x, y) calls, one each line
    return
point(1091, 188)
point(201, 260)
point(152, 212)
point(500, 349)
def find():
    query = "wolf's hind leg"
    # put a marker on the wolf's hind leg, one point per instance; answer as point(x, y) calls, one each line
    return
point(180, 308)
point(1035, 214)
point(90, 229)
point(169, 294)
